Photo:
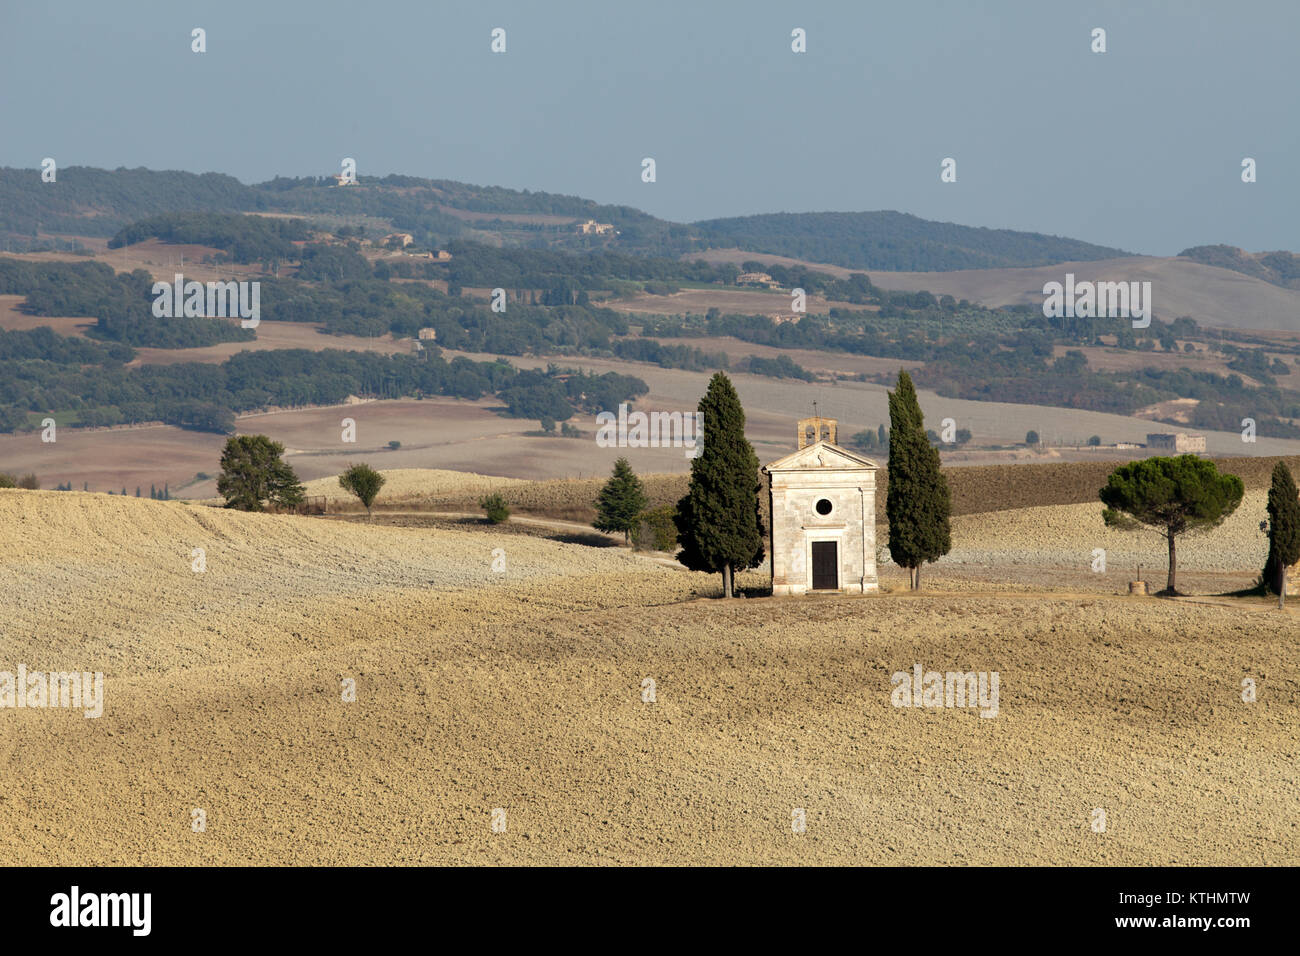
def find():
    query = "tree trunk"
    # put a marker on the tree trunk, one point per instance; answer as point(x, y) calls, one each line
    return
point(1173, 564)
point(726, 580)
point(1281, 591)
point(918, 577)
point(912, 579)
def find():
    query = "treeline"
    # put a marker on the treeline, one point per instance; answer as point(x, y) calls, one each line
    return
point(669, 356)
point(45, 343)
point(779, 367)
point(369, 307)
point(242, 238)
point(121, 304)
point(557, 395)
point(208, 396)
point(474, 264)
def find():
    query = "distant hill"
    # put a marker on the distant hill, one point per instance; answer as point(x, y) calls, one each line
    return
point(896, 242)
point(99, 203)
point(1279, 268)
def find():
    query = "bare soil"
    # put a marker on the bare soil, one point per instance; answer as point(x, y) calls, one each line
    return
point(522, 690)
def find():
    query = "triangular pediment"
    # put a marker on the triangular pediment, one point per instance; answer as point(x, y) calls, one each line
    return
point(822, 456)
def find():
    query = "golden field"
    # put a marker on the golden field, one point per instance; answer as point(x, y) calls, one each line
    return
point(521, 689)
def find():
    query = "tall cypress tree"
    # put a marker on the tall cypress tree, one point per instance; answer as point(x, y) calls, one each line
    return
point(621, 501)
point(1283, 530)
point(718, 521)
point(917, 503)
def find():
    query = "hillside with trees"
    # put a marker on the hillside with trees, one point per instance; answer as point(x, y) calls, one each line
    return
point(242, 238)
point(1279, 268)
point(95, 202)
point(895, 242)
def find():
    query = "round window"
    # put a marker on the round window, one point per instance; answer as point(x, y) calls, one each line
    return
point(824, 506)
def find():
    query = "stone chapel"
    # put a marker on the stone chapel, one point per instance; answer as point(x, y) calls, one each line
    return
point(823, 500)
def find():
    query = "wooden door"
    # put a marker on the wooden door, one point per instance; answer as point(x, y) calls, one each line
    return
point(825, 566)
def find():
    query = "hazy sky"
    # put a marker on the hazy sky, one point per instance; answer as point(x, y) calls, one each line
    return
point(1139, 147)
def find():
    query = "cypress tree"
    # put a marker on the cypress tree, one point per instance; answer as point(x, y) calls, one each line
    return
point(621, 501)
point(917, 502)
point(718, 520)
point(1283, 530)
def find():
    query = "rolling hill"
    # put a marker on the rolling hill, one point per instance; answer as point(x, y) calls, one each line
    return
point(98, 203)
point(895, 242)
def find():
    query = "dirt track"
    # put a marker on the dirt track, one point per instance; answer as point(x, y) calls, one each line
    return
point(522, 690)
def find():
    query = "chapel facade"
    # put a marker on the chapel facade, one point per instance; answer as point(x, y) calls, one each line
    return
point(823, 516)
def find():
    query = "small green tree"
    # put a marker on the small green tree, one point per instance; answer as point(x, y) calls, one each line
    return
point(717, 521)
point(656, 530)
point(1031, 437)
point(1283, 530)
point(252, 472)
point(917, 501)
point(364, 482)
point(7, 480)
point(32, 483)
point(621, 501)
point(494, 507)
point(1176, 495)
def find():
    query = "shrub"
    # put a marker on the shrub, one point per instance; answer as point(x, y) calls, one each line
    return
point(655, 529)
point(394, 445)
point(30, 482)
point(495, 507)
point(8, 480)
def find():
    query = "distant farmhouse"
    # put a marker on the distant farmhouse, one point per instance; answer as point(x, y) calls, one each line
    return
point(1180, 442)
point(405, 238)
point(823, 499)
point(756, 278)
point(428, 334)
point(593, 228)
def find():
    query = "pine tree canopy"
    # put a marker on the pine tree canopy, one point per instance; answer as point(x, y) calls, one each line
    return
point(621, 501)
